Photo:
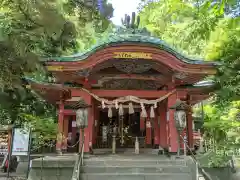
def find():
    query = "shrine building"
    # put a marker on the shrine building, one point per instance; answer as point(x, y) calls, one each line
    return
point(129, 81)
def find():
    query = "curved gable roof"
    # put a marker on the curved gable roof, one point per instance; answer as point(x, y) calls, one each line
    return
point(120, 37)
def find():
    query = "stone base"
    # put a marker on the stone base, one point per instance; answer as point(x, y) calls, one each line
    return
point(53, 168)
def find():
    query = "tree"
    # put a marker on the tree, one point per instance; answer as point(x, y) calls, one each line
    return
point(23, 109)
point(211, 31)
point(226, 49)
point(195, 30)
point(30, 30)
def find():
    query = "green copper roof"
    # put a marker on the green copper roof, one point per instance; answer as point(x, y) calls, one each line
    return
point(122, 36)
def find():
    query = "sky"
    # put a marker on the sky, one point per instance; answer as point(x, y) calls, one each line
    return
point(122, 7)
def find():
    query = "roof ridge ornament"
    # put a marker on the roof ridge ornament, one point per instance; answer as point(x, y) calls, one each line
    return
point(130, 25)
point(131, 22)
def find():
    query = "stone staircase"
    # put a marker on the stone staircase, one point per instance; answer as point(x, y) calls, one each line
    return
point(137, 167)
point(1, 159)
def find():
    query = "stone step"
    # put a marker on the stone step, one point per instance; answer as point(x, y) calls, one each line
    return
point(1, 158)
point(1, 161)
point(133, 162)
point(136, 176)
point(136, 169)
point(131, 151)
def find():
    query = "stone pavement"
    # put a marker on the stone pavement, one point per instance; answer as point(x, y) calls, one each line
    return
point(13, 176)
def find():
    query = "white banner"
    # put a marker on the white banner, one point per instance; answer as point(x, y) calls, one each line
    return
point(20, 142)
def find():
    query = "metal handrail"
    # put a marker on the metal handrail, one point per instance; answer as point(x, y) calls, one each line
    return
point(205, 174)
point(80, 161)
point(77, 168)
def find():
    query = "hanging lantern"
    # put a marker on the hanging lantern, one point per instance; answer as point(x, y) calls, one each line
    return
point(82, 118)
point(180, 114)
point(180, 119)
point(109, 111)
point(130, 108)
point(120, 111)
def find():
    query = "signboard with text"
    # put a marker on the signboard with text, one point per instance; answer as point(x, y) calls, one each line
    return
point(20, 142)
point(3, 143)
point(132, 55)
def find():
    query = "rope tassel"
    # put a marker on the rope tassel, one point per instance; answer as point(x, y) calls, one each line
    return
point(155, 105)
point(130, 108)
point(144, 112)
point(103, 105)
point(120, 111)
point(110, 112)
point(116, 105)
point(152, 113)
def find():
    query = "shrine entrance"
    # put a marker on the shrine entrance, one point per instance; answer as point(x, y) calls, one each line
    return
point(127, 129)
point(129, 82)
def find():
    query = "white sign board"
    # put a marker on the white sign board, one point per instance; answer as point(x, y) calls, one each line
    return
point(20, 142)
point(74, 124)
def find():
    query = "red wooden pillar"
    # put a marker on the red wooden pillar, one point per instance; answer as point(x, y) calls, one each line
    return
point(65, 132)
point(142, 124)
point(96, 123)
point(60, 127)
point(74, 129)
point(10, 138)
point(88, 132)
point(163, 124)
point(173, 136)
point(190, 128)
point(91, 119)
point(148, 131)
point(156, 129)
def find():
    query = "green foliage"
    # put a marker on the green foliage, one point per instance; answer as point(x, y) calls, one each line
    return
point(44, 129)
point(21, 100)
point(224, 45)
point(32, 29)
point(218, 160)
point(222, 124)
point(23, 109)
point(221, 129)
point(204, 30)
